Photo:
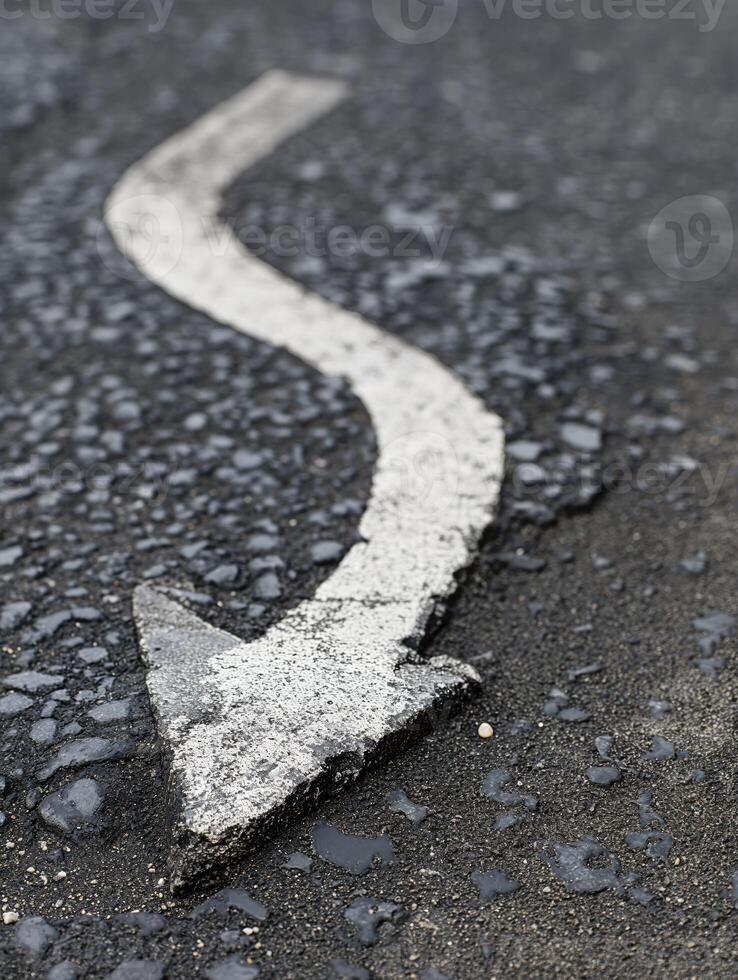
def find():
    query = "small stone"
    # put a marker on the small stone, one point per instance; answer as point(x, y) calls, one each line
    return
point(9, 556)
point(12, 615)
point(112, 711)
point(147, 923)
point(505, 202)
point(232, 968)
point(573, 715)
point(84, 750)
point(137, 970)
point(31, 681)
point(349, 972)
point(245, 459)
point(13, 704)
point(574, 673)
point(43, 732)
point(658, 709)
point(34, 935)
point(485, 730)
point(641, 896)
point(521, 562)
point(222, 575)
point(582, 438)
point(73, 805)
point(267, 587)
point(524, 451)
point(695, 565)
point(326, 552)
point(92, 655)
point(603, 744)
point(66, 970)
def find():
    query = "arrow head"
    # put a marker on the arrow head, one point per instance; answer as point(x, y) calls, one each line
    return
point(256, 732)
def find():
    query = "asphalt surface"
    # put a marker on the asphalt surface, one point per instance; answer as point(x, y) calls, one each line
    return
point(543, 149)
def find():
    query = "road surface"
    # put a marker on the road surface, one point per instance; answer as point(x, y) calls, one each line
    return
point(509, 173)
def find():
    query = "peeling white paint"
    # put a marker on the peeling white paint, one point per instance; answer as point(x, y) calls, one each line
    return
point(255, 729)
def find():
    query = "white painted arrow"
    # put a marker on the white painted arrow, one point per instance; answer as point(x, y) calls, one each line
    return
point(254, 731)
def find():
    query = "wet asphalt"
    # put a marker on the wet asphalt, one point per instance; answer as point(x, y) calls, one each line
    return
point(515, 167)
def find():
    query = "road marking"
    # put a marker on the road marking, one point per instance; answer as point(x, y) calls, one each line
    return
point(256, 731)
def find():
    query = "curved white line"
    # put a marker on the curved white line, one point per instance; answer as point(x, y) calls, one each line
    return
point(349, 637)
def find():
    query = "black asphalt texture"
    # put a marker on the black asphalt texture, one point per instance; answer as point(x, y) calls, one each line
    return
point(515, 166)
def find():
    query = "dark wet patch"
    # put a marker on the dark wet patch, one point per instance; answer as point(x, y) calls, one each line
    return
point(658, 709)
point(573, 865)
point(494, 787)
point(647, 816)
point(603, 775)
point(575, 673)
point(661, 750)
point(366, 915)
point(641, 895)
point(557, 706)
point(399, 802)
point(232, 898)
point(297, 861)
point(492, 884)
point(656, 844)
point(347, 851)
point(347, 971)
